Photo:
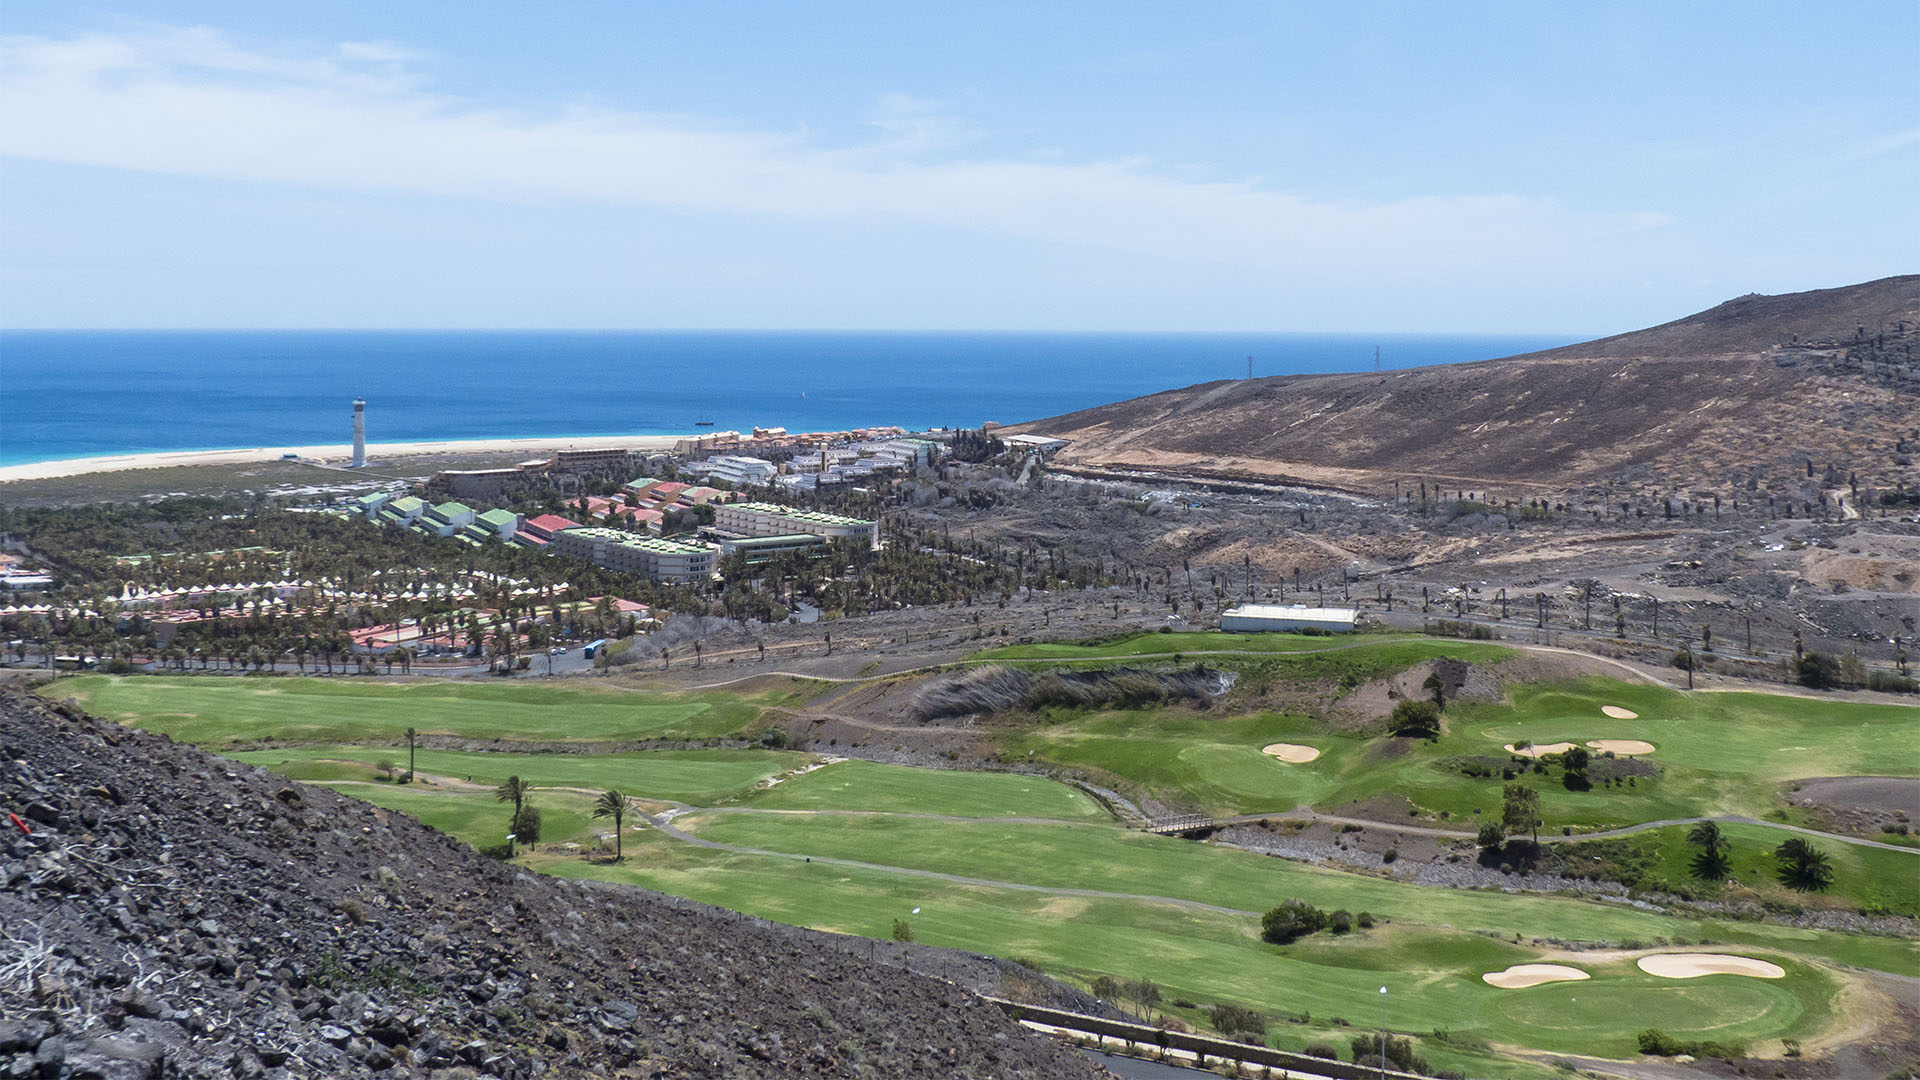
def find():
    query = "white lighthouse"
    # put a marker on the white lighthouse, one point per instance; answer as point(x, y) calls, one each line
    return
point(359, 434)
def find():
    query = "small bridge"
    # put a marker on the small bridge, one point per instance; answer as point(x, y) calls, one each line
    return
point(1175, 826)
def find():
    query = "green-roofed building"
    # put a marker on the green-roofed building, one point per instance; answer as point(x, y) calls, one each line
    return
point(501, 523)
point(449, 517)
point(368, 506)
point(635, 553)
point(402, 511)
point(760, 549)
point(770, 519)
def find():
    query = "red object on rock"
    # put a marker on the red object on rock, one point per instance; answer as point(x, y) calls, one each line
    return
point(15, 818)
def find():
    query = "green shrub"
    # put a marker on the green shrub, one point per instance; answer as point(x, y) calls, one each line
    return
point(1236, 1020)
point(1321, 1050)
point(1416, 719)
point(1888, 683)
point(1341, 922)
point(1291, 921)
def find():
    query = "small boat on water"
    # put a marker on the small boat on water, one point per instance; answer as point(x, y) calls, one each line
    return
point(703, 423)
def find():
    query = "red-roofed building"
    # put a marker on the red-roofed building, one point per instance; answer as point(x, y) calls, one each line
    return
point(652, 519)
point(667, 490)
point(543, 527)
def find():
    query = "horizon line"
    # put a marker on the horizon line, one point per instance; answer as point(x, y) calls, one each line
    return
point(752, 330)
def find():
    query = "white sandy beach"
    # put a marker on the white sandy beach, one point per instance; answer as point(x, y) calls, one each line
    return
point(334, 454)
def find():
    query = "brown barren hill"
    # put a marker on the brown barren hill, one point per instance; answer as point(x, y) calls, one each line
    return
point(1757, 384)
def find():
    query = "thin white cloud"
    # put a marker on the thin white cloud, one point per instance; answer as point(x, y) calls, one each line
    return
point(192, 102)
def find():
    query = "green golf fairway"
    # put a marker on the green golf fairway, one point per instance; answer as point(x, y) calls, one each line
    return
point(864, 785)
point(696, 776)
point(223, 711)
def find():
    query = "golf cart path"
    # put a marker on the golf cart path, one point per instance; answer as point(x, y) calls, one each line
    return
point(1307, 814)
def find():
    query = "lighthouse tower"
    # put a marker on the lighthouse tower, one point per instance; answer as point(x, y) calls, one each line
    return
point(359, 434)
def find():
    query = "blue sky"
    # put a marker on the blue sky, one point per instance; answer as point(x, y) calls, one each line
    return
point(1109, 166)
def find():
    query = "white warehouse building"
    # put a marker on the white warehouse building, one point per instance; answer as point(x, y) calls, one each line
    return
point(1252, 618)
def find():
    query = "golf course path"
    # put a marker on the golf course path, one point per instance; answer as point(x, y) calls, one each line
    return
point(1307, 814)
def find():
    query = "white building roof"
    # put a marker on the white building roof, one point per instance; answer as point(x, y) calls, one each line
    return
point(1296, 612)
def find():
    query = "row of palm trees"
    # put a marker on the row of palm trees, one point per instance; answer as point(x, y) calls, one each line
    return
point(524, 827)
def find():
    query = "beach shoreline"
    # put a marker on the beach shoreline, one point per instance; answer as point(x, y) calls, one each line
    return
point(332, 454)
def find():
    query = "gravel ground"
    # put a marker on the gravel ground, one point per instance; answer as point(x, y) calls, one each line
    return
point(167, 913)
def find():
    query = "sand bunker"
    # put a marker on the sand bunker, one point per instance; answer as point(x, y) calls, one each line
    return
point(1540, 749)
point(1520, 976)
point(1692, 965)
point(1292, 753)
point(1621, 746)
point(1619, 713)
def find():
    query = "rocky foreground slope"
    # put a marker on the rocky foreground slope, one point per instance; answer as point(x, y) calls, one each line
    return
point(168, 913)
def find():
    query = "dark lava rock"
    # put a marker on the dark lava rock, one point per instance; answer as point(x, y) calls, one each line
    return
point(231, 924)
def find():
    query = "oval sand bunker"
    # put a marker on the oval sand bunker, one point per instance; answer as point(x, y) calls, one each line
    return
point(1540, 749)
point(1619, 713)
point(1521, 976)
point(1630, 747)
point(1292, 753)
point(1686, 965)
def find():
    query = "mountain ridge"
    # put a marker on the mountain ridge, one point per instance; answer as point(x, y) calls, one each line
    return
point(1744, 391)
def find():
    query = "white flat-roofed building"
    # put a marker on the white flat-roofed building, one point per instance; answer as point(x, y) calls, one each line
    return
point(1045, 444)
point(736, 469)
point(1250, 618)
point(633, 553)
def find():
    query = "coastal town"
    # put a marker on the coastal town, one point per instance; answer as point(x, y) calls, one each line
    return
point(714, 514)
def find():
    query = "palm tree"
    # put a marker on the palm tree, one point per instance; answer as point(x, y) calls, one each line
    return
point(1711, 862)
point(614, 805)
point(1803, 866)
point(515, 791)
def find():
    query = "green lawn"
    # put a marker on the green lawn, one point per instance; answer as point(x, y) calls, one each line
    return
point(476, 817)
point(225, 711)
point(865, 785)
point(1349, 658)
point(1432, 973)
point(1661, 860)
point(1112, 859)
point(695, 776)
point(1718, 753)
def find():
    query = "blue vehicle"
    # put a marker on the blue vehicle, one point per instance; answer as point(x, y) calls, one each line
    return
point(593, 646)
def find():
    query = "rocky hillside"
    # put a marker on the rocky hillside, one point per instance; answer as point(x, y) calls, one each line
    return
point(168, 913)
point(1721, 400)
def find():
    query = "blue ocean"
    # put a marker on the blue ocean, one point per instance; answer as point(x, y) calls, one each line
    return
point(82, 393)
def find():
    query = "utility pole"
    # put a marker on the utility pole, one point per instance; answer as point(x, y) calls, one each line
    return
point(1249, 367)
